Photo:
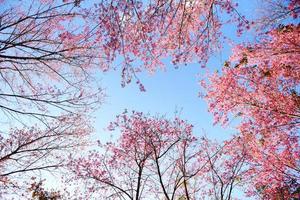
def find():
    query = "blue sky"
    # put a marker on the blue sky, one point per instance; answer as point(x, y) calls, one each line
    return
point(169, 91)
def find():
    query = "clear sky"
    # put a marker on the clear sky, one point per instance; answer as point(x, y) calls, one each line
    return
point(169, 91)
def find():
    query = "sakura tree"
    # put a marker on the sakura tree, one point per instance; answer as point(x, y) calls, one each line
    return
point(260, 85)
point(224, 169)
point(140, 33)
point(46, 90)
point(48, 47)
point(156, 158)
point(49, 50)
point(28, 153)
point(45, 61)
point(145, 33)
point(275, 12)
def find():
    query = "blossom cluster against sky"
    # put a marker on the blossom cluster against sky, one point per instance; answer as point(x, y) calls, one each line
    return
point(174, 91)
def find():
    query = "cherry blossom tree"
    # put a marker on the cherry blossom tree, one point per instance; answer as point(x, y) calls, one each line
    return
point(145, 33)
point(260, 84)
point(272, 169)
point(48, 49)
point(224, 169)
point(44, 60)
point(275, 12)
point(46, 91)
point(28, 153)
point(52, 34)
point(159, 159)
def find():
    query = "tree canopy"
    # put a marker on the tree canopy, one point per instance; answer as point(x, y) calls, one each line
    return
point(50, 51)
